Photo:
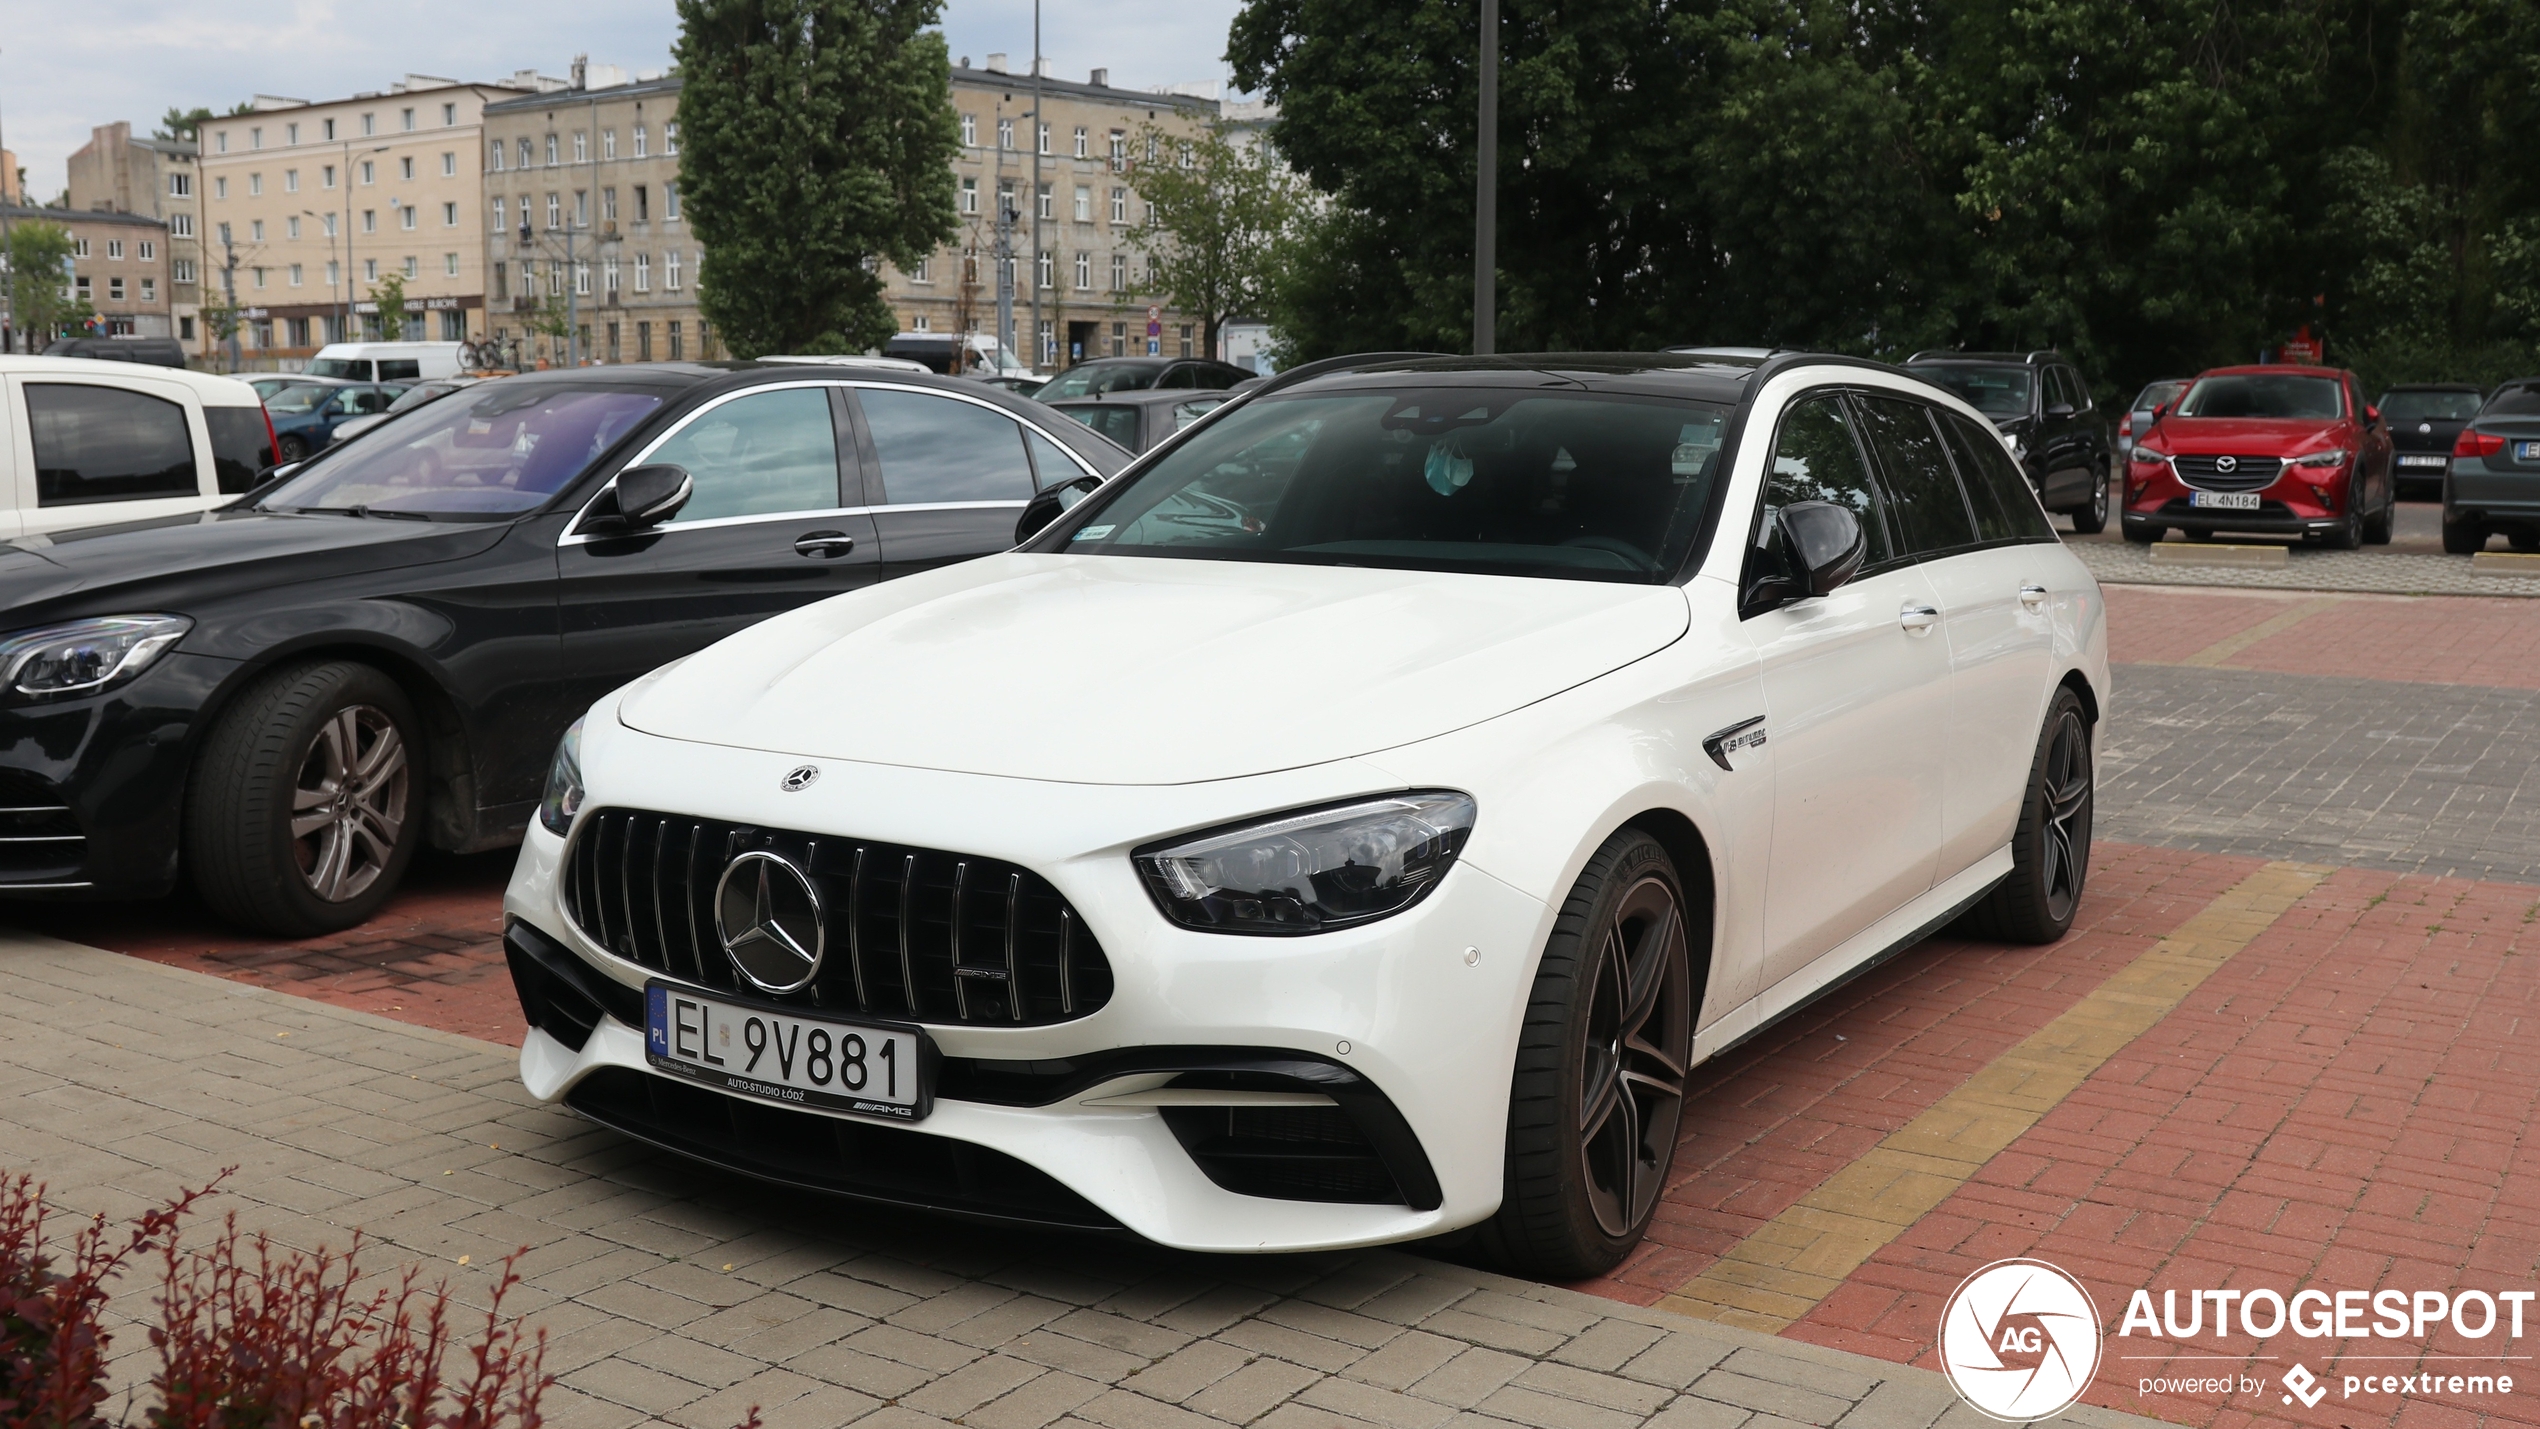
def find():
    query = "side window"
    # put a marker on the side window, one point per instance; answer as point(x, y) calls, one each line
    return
point(1185, 413)
point(1930, 514)
point(2006, 508)
point(392, 368)
point(1118, 423)
point(2078, 390)
point(758, 455)
point(944, 449)
point(1815, 458)
point(1050, 464)
point(1179, 377)
point(106, 444)
point(240, 446)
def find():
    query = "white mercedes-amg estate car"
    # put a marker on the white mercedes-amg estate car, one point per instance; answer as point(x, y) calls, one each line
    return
point(1348, 824)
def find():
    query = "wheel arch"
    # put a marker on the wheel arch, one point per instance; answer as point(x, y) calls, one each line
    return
point(1690, 852)
point(2079, 683)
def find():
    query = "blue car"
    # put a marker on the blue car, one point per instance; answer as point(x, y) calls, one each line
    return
point(306, 414)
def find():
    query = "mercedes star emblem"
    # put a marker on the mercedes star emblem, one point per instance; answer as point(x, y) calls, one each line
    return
point(2226, 463)
point(799, 778)
point(768, 916)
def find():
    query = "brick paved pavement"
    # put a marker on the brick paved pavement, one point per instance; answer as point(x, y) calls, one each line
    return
point(2404, 573)
point(679, 1295)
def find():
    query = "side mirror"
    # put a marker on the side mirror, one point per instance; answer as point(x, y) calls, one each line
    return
point(1053, 502)
point(2059, 410)
point(646, 496)
point(2160, 410)
point(2372, 416)
point(1822, 547)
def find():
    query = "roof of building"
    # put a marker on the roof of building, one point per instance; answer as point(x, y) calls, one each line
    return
point(1074, 89)
point(26, 213)
point(557, 98)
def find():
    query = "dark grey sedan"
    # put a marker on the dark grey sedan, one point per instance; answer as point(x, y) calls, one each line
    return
point(2493, 485)
point(1139, 420)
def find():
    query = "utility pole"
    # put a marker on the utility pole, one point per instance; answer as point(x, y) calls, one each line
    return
point(1036, 185)
point(1486, 192)
point(229, 289)
point(1004, 251)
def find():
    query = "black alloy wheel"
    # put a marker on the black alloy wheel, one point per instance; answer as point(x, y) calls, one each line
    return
point(1598, 1097)
point(307, 800)
point(292, 447)
point(2092, 519)
point(2050, 851)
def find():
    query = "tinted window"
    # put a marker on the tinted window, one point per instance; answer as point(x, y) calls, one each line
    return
point(758, 455)
point(1118, 423)
point(301, 399)
point(2006, 508)
point(106, 444)
point(1816, 459)
point(2158, 394)
point(2513, 402)
point(241, 447)
point(1050, 465)
point(392, 369)
point(944, 449)
point(1994, 391)
point(1093, 379)
point(496, 448)
point(1185, 413)
point(357, 368)
point(1923, 497)
point(2264, 395)
point(2429, 406)
point(1462, 479)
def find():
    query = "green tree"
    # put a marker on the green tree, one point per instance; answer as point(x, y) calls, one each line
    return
point(551, 319)
point(181, 124)
point(39, 294)
point(1222, 210)
point(817, 142)
point(390, 294)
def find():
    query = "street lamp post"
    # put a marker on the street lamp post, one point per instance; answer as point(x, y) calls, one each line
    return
point(1486, 191)
point(346, 335)
point(1036, 185)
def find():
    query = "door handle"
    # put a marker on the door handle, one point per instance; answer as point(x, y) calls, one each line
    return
point(828, 545)
point(1918, 619)
point(2032, 596)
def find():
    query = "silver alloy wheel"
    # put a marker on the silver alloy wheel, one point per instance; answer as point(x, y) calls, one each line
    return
point(348, 803)
point(1639, 1040)
point(2099, 500)
point(2066, 827)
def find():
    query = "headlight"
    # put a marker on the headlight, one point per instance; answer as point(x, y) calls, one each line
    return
point(2145, 456)
point(86, 656)
point(1314, 870)
point(2336, 457)
point(563, 798)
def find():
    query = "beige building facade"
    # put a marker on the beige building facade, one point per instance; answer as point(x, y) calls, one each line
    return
point(119, 263)
point(308, 206)
point(581, 226)
point(154, 178)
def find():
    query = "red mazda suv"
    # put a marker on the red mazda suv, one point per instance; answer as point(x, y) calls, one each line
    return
point(2274, 451)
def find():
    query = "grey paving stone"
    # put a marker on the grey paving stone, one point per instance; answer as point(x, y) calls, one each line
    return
point(1402, 1363)
point(1588, 1387)
point(1608, 1345)
point(1470, 1377)
point(1520, 1405)
point(1766, 1396)
point(1372, 1404)
point(2386, 572)
point(1045, 1399)
point(1693, 1412)
point(974, 1384)
point(1252, 1391)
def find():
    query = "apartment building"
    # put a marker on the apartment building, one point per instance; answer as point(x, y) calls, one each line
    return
point(1092, 282)
point(308, 205)
point(119, 263)
point(114, 172)
point(581, 223)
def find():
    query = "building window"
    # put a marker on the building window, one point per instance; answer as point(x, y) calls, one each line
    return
point(502, 281)
point(969, 131)
point(412, 269)
point(326, 177)
point(1119, 339)
point(449, 165)
point(220, 142)
point(670, 203)
point(582, 208)
point(582, 279)
point(608, 273)
point(1005, 133)
point(498, 213)
point(1120, 205)
point(1186, 339)
point(185, 329)
point(370, 220)
point(1081, 150)
point(450, 265)
point(1119, 272)
point(258, 272)
point(181, 270)
point(290, 181)
point(295, 275)
point(114, 289)
point(551, 151)
point(924, 272)
point(643, 272)
point(290, 133)
point(555, 211)
point(406, 167)
point(220, 188)
point(255, 231)
point(581, 147)
point(449, 114)
point(643, 204)
point(1084, 204)
point(639, 141)
point(643, 342)
point(670, 145)
point(670, 271)
point(224, 234)
point(1049, 343)
point(327, 128)
point(114, 249)
point(671, 331)
point(608, 150)
point(524, 155)
point(1045, 138)
point(1047, 266)
point(1084, 271)
point(334, 274)
point(608, 206)
point(291, 228)
point(255, 138)
point(370, 270)
point(449, 215)
point(149, 290)
point(370, 124)
point(406, 217)
point(255, 184)
point(180, 185)
point(969, 195)
point(370, 172)
point(496, 156)
point(1046, 211)
point(407, 117)
point(1151, 143)
point(180, 225)
point(149, 250)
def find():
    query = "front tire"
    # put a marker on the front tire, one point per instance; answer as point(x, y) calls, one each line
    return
point(306, 801)
point(2347, 535)
point(2377, 529)
point(2050, 850)
point(1601, 1061)
point(292, 448)
point(2092, 519)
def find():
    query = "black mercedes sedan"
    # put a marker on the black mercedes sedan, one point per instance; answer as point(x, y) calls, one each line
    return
point(282, 699)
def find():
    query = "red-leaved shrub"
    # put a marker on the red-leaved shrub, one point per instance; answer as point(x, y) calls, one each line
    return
point(52, 1352)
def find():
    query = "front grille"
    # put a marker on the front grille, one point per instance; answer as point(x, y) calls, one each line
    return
point(1290, 1153)
point(39, 836)
point(2248, 473)
point(841, 1155)
point(911, 932)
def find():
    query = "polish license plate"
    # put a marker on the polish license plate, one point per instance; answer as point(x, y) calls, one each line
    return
point(2422, 460)
point(2527, 451)
point(868, 1068)
point(2224, 500)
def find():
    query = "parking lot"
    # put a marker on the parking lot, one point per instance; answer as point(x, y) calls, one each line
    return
point(2283, 1046)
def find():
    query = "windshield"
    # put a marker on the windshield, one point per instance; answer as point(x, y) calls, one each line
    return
point(305, 397)
point(493, 449)
point(2159, 394)
point(1575, 486)
point(2264, 395)
point(1095, 378)
point(2429, 406)
point(1994, 391)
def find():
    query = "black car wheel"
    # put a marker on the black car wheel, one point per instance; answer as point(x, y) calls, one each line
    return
point(2346, 535)
point(2463, 537)
point(2377, 526)
point(2092, 519)
point(1601, 1062)
point(291, 448)
point(2050, 851)
point(304, 812)
point(2143, 535)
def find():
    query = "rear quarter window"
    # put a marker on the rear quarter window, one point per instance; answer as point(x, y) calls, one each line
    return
point(241, 445)
point(97, 443)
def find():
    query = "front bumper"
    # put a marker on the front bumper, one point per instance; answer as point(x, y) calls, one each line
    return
point(2272, 518)
point(1407, 1026)
point(114, 766)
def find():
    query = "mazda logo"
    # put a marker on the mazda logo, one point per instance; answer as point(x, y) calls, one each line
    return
point(799, 778)
point(2226, 463)
point(768, 916)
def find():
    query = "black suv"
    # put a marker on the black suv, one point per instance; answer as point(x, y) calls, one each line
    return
point(2041, 404)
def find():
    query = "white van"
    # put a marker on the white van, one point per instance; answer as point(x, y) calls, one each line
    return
point(87, 443)
point(386, 361)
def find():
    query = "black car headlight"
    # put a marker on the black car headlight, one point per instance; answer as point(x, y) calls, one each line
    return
point(85, 657)
point(563, 798)
point(1313, 870)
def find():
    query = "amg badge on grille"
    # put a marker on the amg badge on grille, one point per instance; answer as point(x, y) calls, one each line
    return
point(768, 916)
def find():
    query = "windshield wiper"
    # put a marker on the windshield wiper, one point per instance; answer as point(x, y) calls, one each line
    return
point(354, 510)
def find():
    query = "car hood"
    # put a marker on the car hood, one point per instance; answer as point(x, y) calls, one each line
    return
point(1126, 670)
point(2244, 436)
point(176, 563)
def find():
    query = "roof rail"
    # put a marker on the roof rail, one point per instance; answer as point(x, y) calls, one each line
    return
point(1324, 368)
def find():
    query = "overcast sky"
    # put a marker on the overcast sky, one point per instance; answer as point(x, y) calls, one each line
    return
point(65, 67)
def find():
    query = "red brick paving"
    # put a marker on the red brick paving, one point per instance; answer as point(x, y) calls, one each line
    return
point(2442, 640)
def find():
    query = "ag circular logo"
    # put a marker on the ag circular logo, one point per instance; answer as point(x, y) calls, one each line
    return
point(768, 916)
point(2020, 1340)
